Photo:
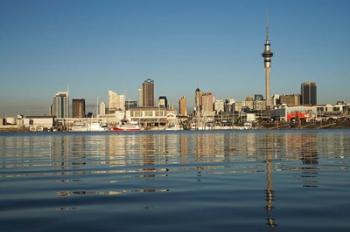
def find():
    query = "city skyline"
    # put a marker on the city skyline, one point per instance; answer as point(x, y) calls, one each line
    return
point(220, 54)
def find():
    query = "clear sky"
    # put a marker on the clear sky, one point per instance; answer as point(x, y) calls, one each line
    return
point(216, 45)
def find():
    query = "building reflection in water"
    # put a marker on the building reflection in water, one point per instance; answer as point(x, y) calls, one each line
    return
point(309, 158)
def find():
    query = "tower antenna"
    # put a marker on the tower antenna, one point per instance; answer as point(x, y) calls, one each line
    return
point(267, 22)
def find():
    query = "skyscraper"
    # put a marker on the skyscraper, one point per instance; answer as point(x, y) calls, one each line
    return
point(198, 100)
point(148, 93)
point(115, 101)
point(140, 100)
point(60, 105)
point(163, 102)
point(267, 55)
point(102, 109)
point(78, 108)
point(309, 93)
point(183, 106)
point(207, 104)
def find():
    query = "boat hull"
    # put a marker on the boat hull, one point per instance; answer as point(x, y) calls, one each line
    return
point(125, 129)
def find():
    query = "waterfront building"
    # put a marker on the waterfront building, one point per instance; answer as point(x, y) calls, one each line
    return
point(115, 102)
point(102, 109)
point(78, 108)
point(290, 99)
point(163, 102)
point(207, 100)
point(38, 123)
point(60, 105)
point(287, 114)
point(309, 93)
point(129, 104)
point(149, 117)
point(267, 55)
point(148, 93)
point(183, 106)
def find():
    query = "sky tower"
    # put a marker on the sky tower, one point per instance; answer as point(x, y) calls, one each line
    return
point(267, 55)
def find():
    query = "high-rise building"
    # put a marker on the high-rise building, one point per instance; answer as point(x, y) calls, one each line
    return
point(60, 105)
point(183, 106)
point(130, 104)
point(78, 108)
point(219, 106)
point(258, 97)
point(228, 106)
point(267, 55)
point(290, 99)
point(309, 93)
point(163, 102)
point(207, 100)
point(148, 93)
point(275, 99)
point(249, 102)
point(102, 109)
point(115, 101)
point(140, 97)
point(198, 100)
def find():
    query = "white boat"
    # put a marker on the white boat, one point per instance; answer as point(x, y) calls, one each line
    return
point(92, 126)
point(127, 126)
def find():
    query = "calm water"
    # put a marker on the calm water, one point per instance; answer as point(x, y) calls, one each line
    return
point(181, 181)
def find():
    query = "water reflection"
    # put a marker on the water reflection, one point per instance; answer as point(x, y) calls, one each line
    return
point(82, 165)
point(81, 151)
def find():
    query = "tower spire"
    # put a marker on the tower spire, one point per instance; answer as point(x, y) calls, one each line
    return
point(267, 55)
point(267, 32)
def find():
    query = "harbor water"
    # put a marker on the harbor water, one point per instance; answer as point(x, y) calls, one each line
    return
point(254, 180)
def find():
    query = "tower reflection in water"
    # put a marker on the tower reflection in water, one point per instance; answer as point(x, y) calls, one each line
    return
point(269, 193)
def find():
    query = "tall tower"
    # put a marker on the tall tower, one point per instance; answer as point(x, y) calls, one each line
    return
point(267, 55)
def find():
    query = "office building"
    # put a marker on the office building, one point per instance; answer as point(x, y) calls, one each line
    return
point(290, 99)
point(207, 100)
point(198, 101)
point(258, 97)
point(219, 106)
point(102, 109)
point(228, 105)
point(78, 108)
point(163, 102)
point(115, 102)
point(148, 93)
point(249, 102)
point(183, 106)
point(309, 93)
point(140, 97)
point(130, 104)
point(60, 105)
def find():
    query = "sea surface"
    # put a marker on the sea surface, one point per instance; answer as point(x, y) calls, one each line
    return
point(256, 180)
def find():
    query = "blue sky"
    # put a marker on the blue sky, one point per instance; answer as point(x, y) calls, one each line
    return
point(216, 45)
